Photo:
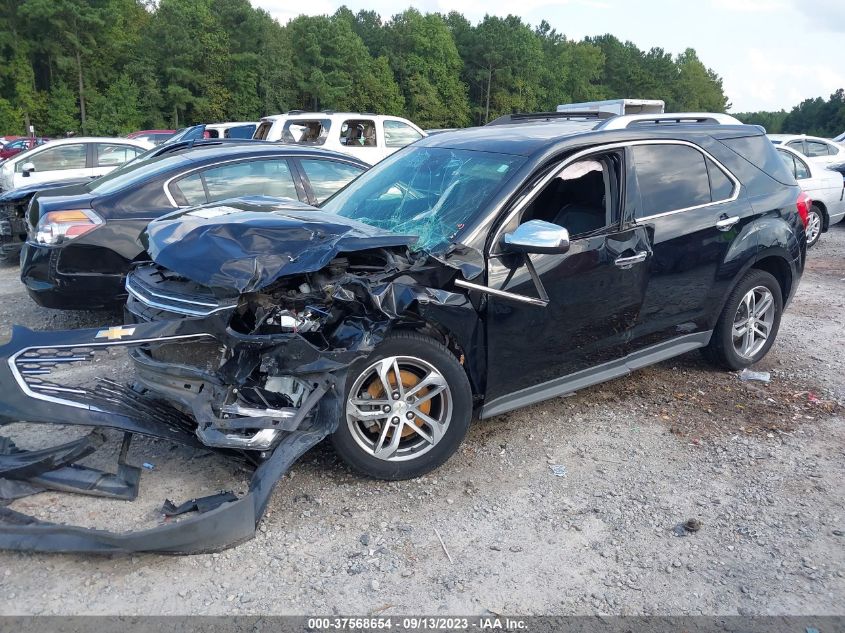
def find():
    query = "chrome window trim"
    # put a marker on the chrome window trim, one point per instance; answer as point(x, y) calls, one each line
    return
point(70, 403)
point(535, 190)
point(287, 157)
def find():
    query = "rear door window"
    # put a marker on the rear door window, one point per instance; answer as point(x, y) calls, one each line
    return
point(328, 176)
point(312, 132)
point(798, 146)
point(359, 133)
point(249, 178)
point(114, 155)
point(817, 148)
point(670, 178)
point(399, 134)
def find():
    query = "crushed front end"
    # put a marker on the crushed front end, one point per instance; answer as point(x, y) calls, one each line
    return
point(255, 371)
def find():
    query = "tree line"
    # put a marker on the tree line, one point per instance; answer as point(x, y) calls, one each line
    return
point(815, 117)
point(113, 66)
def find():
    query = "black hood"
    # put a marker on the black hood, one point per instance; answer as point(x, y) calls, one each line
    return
point(29, 189)
point(248, 243)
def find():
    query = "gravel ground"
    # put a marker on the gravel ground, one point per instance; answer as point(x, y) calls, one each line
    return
point(759, 465)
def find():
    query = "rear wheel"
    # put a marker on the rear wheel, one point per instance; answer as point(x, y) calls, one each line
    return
point(408, 407)
point(815, 221)
point(749, 322)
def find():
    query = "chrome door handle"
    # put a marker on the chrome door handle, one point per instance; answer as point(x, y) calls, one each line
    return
point(627, 262)
point(723, 223)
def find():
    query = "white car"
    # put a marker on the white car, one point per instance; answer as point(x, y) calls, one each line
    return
point(69, 158)
point(368, 137)
point(824, 186)
point(819, 150)
point(840, 138)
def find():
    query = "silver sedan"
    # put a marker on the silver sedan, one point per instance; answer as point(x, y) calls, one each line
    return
point(826, 188)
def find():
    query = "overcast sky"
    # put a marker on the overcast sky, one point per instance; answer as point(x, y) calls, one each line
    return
point(771, 54)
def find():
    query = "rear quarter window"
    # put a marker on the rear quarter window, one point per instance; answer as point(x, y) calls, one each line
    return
point(760, 152)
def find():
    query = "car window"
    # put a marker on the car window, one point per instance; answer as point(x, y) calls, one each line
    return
point(801, 169)
point(430, 192)
point(327, 176)
point(798, 146)
point(358, 133)
point(721, 187)
point(263, 130)
point(191, 189)
point(670, 178)
point(583, 197)
point(113, 155)
point(789, 161)
point(817, 148)
point(305, 131)
point(398, 134)
point(249, 178)
point(58, 157)
point(240, 131)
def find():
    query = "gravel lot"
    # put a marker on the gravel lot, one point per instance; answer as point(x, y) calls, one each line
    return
point(761, 466)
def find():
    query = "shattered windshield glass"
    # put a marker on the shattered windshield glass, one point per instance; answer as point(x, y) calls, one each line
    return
point(430, 192)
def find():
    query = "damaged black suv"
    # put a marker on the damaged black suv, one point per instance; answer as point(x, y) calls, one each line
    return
point(469, 274)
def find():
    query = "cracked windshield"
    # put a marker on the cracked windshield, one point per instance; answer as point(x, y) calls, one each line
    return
point(429, 192)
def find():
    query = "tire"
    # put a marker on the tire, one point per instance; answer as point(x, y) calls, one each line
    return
point(725, 349)
point(815, 222)
point(417, 445)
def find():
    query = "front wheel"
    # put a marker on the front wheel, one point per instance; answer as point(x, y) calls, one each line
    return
point(408, 407)
point(749, 322)
point(815, 221)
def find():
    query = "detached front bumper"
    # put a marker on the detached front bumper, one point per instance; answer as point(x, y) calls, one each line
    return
point(30, 393)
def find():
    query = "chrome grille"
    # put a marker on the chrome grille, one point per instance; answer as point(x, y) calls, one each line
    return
point(159, 289)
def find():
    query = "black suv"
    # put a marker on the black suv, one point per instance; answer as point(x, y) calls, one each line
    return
point(471, 273)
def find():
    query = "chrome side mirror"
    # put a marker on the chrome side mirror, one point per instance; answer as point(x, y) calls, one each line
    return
point(27, 169)
point(537, 236)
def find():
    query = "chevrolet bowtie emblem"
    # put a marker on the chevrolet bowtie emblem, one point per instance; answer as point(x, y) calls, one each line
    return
point(115, 333)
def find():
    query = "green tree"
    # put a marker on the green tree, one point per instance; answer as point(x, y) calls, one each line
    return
point(73, 28)
point(427, 67)
point(333, 69)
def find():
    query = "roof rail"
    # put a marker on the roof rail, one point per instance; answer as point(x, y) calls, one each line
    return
point(624, 121)
point(525, 117)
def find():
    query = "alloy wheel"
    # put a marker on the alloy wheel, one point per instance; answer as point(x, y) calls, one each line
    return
point(753, 321)
point(399, 408)
point(814, 226)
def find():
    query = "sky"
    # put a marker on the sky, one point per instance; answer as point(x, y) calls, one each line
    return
point(771, 54)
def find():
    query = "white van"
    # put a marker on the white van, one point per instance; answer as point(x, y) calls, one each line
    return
point(368, 137)
point(617, 106)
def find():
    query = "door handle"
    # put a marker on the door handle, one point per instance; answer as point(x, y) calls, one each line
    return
point(724, 223)
point(627, 262)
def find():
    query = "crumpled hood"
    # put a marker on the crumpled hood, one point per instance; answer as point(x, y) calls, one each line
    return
point(248, 243)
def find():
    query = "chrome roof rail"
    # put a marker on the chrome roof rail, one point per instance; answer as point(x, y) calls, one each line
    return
point(625, 121)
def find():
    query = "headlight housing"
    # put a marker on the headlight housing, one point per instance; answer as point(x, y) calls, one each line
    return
point(56, 227)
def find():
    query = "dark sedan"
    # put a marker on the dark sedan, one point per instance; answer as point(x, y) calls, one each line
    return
point(82, 239)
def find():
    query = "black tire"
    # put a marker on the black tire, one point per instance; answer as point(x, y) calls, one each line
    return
point(721, 351)
point(409, 344)
point(816, 211)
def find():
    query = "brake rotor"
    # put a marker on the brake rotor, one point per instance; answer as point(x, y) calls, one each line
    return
point(409, 379)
